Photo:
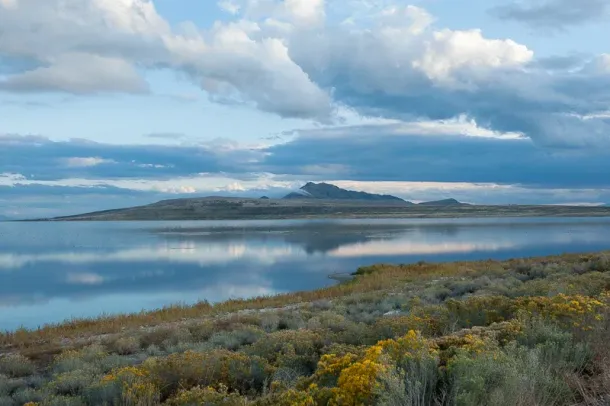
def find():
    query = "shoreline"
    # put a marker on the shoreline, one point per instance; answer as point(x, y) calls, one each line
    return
point(372, 216)
point(544, 320)
point(346, 281)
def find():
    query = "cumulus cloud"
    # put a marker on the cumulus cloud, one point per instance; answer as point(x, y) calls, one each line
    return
point(553, 14)
point(295, 58)
point(82, 46)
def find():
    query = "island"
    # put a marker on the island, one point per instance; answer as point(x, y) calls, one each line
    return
point(324, 200)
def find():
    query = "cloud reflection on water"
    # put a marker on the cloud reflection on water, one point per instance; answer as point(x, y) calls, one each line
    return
point(116, 268)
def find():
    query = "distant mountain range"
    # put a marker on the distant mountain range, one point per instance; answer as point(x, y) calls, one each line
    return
point(331, 192)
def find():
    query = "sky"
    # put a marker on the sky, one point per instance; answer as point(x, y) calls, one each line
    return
point(114, 103)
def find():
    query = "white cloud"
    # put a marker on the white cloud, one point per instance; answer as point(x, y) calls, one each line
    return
point(294, 59)
point(79, 73)
point(84, 278)
point(460, 125)
point(92, 46)
point(76, 162)
point(448, 52)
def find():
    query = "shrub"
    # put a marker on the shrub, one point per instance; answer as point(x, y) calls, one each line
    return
point(7, 401)
point(134, 385)
point(233, 340)
point(412, 383)
point(516, 376)
point(239, 372)
point(16, 366)
point(25, 395)
point(73, 382)
point(65, 401)
point(578, 311)
point(72, 360)
point(207, 397)
point(202, 331)
point(288, 397)
point(125, 345)
point(479, 311)
point(9, 385)
point(296, 349)
point(270, 322)
point(165, 337)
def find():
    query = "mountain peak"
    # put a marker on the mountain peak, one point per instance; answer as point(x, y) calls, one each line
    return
point(328, 191)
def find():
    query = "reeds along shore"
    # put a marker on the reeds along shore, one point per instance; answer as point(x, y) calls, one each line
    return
point(519, 332)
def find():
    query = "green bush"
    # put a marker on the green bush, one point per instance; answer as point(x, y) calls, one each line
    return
point(7, 401)
point(16, 366)
point(235, 339)
point(25, 395)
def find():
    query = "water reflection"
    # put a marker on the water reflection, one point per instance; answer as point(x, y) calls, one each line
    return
point(53, 271)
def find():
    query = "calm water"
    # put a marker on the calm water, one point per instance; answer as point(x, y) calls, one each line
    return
point(53, 271)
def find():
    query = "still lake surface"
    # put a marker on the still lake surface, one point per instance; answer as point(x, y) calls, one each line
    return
point(50, 272)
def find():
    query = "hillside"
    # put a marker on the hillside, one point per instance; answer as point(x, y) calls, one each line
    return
point(445, 202)
point(320, 201)
point(465, 333)
point(331, 192)
point(276, 209)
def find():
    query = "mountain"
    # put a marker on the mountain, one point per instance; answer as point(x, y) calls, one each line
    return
point(331, 192)
point(442, 203)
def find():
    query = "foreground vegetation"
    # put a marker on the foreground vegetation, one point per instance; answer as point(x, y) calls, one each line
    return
point(519, 332)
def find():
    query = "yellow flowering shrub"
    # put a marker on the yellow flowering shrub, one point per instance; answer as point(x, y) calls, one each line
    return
point(136, 385)
point(578, 311)
point(287, 342)
point(480, 310)
point(207, 396)
point(237, 371)
point(356, 376)
point(357, 383)
point(395, 326)
point(411, 346)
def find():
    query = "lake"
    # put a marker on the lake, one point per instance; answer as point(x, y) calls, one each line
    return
point(51, 271)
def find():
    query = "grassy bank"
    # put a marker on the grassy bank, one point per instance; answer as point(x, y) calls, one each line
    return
point(519, 332)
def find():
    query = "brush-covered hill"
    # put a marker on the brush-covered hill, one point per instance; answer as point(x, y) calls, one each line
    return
point(322, 201)
point(443, 203)
point(331, 192)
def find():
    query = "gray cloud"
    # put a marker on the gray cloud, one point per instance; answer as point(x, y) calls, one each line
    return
point(78, 73)
point(383, 153)
point(554, 15)
point(396, 152)
point(43, 159)
point(391, 64)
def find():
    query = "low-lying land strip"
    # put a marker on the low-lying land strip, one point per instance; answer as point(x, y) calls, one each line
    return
point(519, 332)
point(263, 209)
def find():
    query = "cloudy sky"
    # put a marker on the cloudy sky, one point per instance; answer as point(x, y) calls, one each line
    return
point(112, 103)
